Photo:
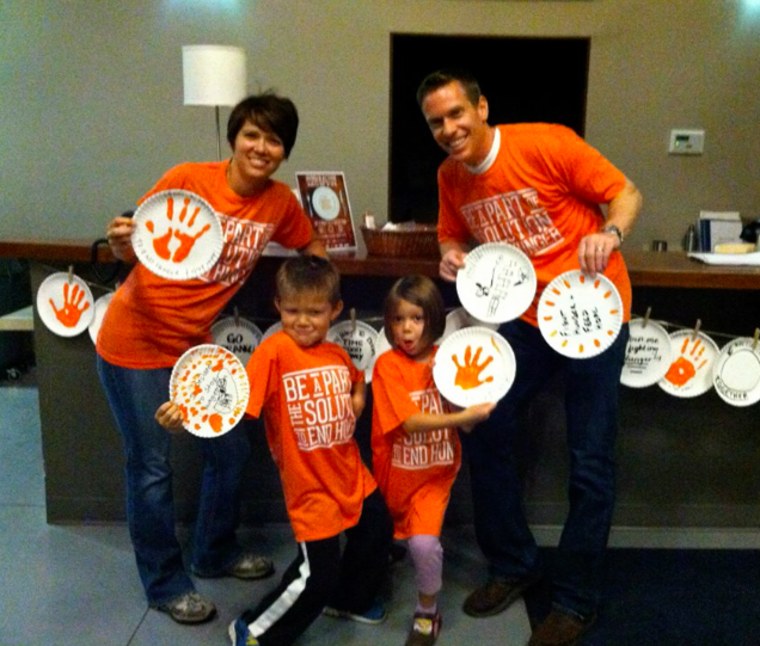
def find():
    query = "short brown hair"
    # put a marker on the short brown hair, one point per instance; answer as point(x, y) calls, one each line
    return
point(308, 274)
point(422, 292)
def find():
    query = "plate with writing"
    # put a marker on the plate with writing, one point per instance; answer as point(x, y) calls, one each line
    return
point(238, 335)
point(360, 340)
point(736, 372)
point(692, 357)
point(177, 235)
point(474, 365)
point(647, 355)
point(497, 283)
point(211, 387)
point(580, 316)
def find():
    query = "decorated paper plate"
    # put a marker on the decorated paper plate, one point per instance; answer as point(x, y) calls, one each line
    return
point(65, 304)
point(177, 235)
point(460, 318)
point(325, 202)
point(497, 283)
point(359, 339)
point(647, 355)
point(474, 365)
point(580, 316)
point(100, 307)
point(691, 370)
point(211, 387)
point(736, 372)
point(238, 335)
point(272, 329)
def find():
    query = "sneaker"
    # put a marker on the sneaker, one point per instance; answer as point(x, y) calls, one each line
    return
point(240, 635)
point(425, 629)
point(560, 629)
point(495, 596)
point(248, 566)
point(375, 615)
point(189, 608)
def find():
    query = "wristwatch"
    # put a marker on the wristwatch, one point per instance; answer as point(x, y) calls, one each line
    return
point(611, 228)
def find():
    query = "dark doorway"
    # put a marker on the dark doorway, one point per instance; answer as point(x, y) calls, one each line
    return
point(524, 79)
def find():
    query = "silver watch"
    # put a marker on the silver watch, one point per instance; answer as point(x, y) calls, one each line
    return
point(611, 228)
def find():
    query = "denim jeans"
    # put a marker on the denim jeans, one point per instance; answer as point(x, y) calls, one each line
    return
point(134, 396)
point(591, 410)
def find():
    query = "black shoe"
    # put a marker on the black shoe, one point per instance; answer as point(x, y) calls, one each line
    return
point(496, 596)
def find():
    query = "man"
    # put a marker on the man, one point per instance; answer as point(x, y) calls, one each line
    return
point(540, 188)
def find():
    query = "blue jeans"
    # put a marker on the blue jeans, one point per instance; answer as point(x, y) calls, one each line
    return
point(591, 410)
point(134, 396)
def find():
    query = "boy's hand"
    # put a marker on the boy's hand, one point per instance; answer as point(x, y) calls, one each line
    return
point(169, 415)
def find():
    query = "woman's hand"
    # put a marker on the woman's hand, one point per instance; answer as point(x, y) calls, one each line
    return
point(119, 236)
point(169, 415)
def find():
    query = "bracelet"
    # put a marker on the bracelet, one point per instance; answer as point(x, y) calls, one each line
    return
point(611, 228)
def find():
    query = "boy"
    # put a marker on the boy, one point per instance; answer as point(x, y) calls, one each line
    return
point(311, 394)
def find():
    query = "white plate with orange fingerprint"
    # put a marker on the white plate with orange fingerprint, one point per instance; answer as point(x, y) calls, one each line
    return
point(210, 385)
point(691, 371)
point(177, 235)
point(474, 365)
point(65, 304)
point(736, 372)
point(580, 316)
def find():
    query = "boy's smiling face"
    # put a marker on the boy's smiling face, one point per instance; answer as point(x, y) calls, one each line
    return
point(306, 316)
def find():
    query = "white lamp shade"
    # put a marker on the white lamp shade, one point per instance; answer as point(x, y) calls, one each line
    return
point(213, 74)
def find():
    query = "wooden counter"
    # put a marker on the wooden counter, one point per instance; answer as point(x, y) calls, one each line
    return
point(647, 268)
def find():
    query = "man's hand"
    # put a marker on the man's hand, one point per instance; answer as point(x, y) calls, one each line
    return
point(452, 261)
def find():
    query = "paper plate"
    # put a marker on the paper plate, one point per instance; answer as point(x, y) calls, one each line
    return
point(736, 372)
point(238, 335)
point(211, 386)
point(693, 356)
point(473, 366)
point(497, 283)
point(579, 316)
point(100, 307)
point(325, 202)
point(177, 235)
point(459, 319)
point(359, 339)
point(272, 329)
point(65, 305)
point(647, 355)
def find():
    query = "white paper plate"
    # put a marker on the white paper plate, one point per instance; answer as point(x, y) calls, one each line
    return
point(473, 366)
point(736, 372)
point(272, 329)
point(325, 202)
point(239, 336)
point(177, 235)
point(497, 283)
point(647, 355)
point(459, 319)
point(690, 372)
point(360, 340)
point(100, 307)
point(210, 384)
point(65, 306)
point(579, 316)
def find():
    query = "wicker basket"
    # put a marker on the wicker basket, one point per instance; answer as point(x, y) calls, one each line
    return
point(408, 241)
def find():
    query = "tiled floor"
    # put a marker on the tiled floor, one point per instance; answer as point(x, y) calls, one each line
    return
point(77, 585)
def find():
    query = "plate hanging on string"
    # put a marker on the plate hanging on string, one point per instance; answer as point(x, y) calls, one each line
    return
point(690, 372)
point(239, 335)
point(647, 354)
point(736, 372)
point(65, 304)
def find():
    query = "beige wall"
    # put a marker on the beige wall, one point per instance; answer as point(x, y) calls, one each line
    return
point(91, 109)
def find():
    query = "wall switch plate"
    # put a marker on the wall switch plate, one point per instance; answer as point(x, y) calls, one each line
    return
point(687, 142)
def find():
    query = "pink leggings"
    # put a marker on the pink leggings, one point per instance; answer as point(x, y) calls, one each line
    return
point(427, 556)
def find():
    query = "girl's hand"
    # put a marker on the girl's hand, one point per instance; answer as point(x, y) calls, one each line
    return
point(475, 414)
point(170, 417)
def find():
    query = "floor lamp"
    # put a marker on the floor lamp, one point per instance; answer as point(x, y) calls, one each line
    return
point(213, 75)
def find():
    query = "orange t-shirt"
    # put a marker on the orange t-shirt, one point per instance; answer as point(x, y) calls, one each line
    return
point(150, 320)
point(305, 394)
point(541, 194)
point(415, 471)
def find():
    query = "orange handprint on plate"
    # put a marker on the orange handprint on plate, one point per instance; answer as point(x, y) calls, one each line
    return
point(688, 364)
point(179, 231)
point(468, 375)
point(70, 313)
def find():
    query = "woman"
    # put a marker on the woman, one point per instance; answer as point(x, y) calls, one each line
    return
point(151, 321)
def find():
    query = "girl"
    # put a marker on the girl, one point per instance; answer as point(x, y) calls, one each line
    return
point(415, 447)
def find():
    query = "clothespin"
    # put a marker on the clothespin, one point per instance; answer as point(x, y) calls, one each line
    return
point(236, 316)
point(70, 279)
point(696, 329)
point(755, 338)
point(352, 314)
point(646, 317)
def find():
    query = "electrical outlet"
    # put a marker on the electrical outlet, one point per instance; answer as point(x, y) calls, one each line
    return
point(687, 142)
